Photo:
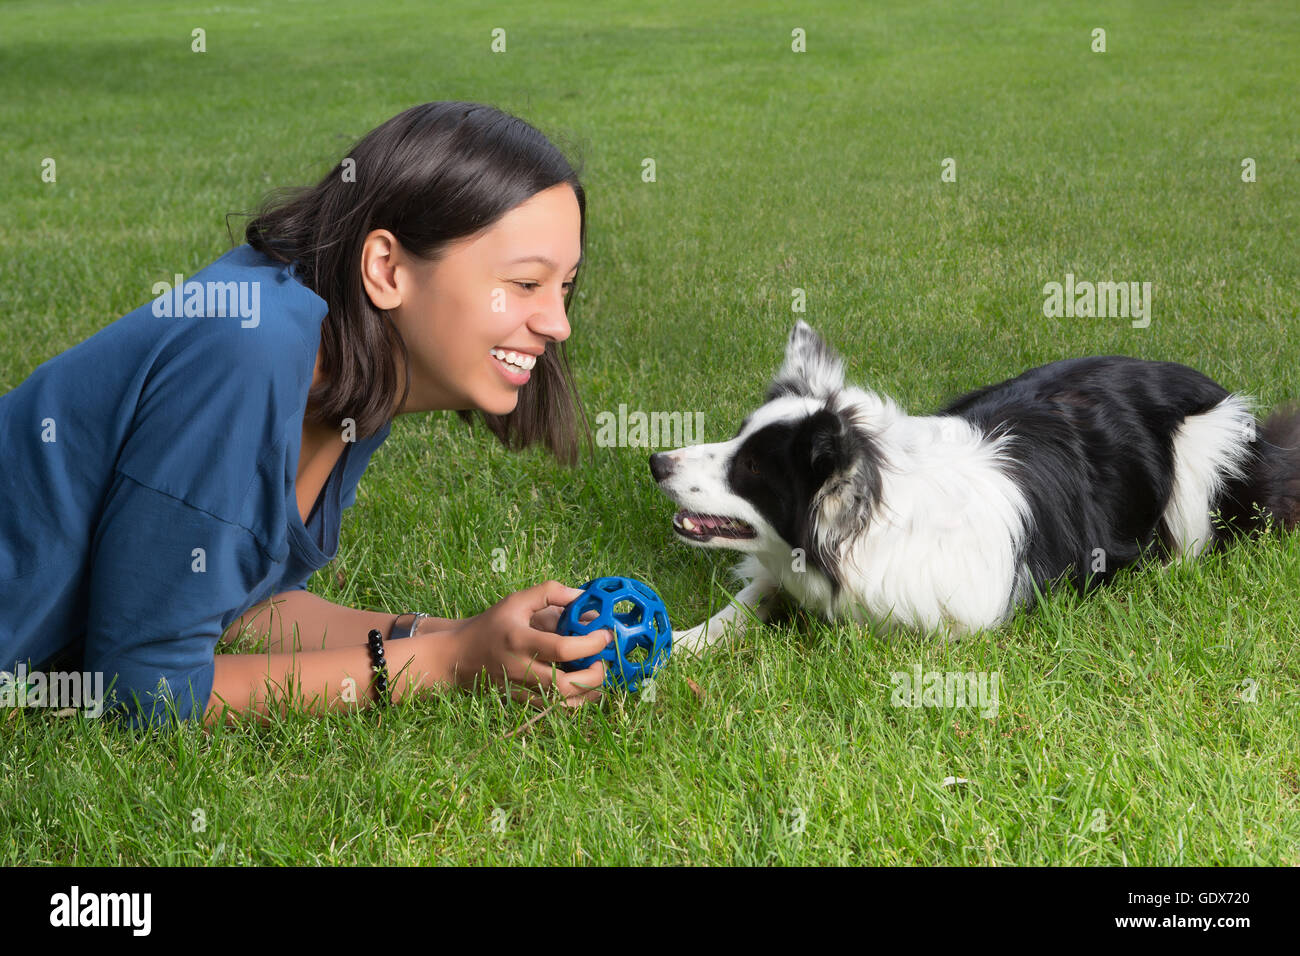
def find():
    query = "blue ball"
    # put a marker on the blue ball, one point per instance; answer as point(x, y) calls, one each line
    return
point(643, 622)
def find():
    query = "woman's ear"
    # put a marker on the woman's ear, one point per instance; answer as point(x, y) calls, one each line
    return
point(381, 255)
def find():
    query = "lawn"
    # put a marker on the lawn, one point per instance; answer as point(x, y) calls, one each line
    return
point(1154, 723)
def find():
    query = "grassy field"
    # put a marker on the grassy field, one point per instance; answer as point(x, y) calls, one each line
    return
point(1155, 723)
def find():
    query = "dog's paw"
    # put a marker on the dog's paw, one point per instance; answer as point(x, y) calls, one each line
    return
point(692, 642)
point(700, 639)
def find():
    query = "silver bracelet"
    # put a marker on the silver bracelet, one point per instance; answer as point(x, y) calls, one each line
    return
point(400, 632)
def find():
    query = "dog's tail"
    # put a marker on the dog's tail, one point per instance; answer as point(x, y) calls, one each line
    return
point(1279, 440)
point(1269, 491)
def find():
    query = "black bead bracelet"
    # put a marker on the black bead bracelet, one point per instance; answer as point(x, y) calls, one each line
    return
point(379, 666)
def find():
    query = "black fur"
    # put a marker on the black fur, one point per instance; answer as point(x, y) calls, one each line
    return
point(1091, 448)
point(1093, 452)
point(1089, 443)
point(1271, 490)
point(781, 469)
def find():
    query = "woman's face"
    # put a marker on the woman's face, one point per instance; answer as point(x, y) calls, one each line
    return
point(475, 321)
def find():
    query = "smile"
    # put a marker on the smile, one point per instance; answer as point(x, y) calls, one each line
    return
point(520, 360)
point(513, 365)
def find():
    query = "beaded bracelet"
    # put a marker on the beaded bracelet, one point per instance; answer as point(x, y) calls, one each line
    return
point(379, 666)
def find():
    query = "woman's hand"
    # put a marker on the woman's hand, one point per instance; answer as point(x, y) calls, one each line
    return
point(548, 618)
point(515, 641)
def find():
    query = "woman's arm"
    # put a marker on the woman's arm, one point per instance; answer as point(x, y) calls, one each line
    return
point(320, 681)
point(298, 620)
point(315, 645)
point(504, 642)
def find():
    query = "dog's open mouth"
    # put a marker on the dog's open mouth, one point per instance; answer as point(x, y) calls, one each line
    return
point(698, 527)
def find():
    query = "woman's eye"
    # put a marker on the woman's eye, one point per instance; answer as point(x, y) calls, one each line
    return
point(530, 286)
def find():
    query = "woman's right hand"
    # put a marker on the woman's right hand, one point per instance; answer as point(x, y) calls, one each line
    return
point(517, 655)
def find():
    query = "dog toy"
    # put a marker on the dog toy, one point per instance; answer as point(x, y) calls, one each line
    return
point(639, 620)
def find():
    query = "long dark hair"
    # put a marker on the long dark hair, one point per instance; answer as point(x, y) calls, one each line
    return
point(430, 175)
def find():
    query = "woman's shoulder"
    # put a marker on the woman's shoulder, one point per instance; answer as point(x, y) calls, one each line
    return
point(242, 311)
point(245, 297)
point(199, 407)
point(195, 393)
point(235, 342)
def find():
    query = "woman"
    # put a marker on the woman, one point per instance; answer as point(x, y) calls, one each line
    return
point(179, 475)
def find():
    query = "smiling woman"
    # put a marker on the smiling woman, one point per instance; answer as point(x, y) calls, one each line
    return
point(477, 317)
point(432, 268)
point(474, 211)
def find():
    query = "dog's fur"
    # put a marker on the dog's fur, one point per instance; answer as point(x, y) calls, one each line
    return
point(946, 523)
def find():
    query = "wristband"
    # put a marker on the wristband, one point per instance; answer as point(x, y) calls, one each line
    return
point(399, 631)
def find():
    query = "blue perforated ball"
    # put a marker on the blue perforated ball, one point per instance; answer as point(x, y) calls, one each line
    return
point(638, 618)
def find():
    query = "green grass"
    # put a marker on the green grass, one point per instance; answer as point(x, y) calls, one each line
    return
point(1126, 732)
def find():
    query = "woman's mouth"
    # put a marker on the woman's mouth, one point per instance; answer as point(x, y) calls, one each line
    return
point(513, 365)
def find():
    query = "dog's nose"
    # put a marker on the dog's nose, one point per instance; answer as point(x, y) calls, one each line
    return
point(661, 466)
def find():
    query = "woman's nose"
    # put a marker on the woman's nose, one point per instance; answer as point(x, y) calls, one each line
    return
point(552, 321)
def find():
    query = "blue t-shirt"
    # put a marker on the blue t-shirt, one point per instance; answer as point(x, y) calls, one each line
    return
point(147, 484)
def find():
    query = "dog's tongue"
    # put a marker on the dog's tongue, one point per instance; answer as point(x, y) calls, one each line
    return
point(711, 526)
point(699, 520)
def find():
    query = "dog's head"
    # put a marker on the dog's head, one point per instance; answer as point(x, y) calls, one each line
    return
point(802, 471)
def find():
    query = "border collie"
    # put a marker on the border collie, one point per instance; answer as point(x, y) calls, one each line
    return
point(946, 523)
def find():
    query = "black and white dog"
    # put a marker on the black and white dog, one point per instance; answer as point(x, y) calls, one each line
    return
point(948, 522)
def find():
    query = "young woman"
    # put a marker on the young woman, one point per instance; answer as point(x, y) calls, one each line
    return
point(180, 475)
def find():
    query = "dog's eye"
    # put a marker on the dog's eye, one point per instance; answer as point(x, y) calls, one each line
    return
point(752, 465)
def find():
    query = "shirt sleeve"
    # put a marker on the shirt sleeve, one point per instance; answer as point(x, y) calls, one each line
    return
point(163, 574)
point(193, 521)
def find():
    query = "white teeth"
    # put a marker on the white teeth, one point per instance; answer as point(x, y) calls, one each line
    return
point(688, 524)
point(520, 360)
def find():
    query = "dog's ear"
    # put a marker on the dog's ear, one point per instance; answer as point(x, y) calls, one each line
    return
point(843, 464)
point(830, 445)
point(811, 367)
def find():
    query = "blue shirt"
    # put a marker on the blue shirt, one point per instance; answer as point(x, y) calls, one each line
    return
point(147, 485)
